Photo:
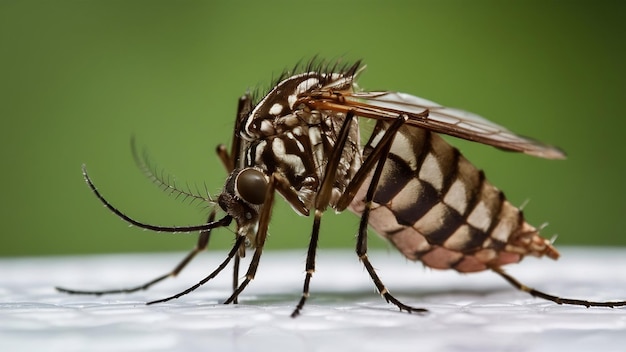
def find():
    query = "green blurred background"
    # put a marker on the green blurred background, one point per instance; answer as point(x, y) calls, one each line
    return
point(79, 77)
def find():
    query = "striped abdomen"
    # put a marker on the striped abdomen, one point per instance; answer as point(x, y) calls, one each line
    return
point(436, 207)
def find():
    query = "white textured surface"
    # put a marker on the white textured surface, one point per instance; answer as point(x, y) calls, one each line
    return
point(476, 312)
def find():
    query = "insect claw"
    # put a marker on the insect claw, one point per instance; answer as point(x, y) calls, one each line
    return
point(401, 306)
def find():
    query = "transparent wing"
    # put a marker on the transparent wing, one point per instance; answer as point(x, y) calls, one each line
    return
point(431, 116)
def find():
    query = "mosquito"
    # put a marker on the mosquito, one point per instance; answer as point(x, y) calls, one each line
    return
point(302, 140)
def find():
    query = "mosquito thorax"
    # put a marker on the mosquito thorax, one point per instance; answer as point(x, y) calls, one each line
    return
point(281, 110)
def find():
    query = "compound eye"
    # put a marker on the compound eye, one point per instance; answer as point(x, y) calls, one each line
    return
point(251, 185)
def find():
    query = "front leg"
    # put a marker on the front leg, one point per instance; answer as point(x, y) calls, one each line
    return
point(322, 200)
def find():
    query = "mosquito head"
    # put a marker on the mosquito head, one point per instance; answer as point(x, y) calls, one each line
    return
point(242, 197)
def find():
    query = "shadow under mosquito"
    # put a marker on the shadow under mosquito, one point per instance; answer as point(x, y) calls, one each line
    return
point(346, 298)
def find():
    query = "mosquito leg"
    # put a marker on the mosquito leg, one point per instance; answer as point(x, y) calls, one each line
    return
point(244, 107)
point(555, 299)
point(228, 162)
point(232, 160)
point(361, 245)
point(252, 268)
point(310, 263)
point(382, 149)
point(203, 241)
point(236, 263)
point(108, 292)
point(325, 190)
point(259, 242)
point(225, 158)
point(371, 161)
point(321, 203)
point(231, 254)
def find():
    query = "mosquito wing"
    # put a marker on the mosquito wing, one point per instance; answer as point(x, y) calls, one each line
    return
point(429, 115)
